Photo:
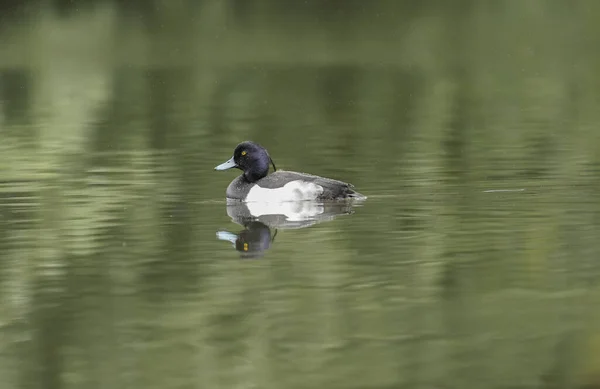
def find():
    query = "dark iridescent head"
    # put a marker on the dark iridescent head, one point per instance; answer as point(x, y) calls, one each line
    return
point(252, 159)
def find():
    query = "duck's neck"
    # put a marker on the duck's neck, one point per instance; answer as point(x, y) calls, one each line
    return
point(259, 169)
point(253, 176)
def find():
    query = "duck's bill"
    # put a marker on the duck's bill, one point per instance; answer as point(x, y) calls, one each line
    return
point(226, 165)
point(228, 236)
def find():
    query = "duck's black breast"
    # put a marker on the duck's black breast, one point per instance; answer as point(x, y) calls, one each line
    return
point(331, 189)
point(238, 188)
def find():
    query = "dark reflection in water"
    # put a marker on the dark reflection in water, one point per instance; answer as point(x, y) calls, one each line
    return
point(15, 86)
point(252, 241)
point(472, 127)
point(258, 219)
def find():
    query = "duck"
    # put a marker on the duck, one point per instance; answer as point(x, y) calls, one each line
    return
point(255, 184)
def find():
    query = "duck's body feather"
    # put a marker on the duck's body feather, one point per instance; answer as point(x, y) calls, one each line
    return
point(290, 186)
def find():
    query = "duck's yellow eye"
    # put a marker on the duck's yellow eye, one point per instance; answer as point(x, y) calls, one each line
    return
point(244, 152)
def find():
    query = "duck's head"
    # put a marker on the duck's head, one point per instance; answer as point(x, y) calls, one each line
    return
point(252, 159)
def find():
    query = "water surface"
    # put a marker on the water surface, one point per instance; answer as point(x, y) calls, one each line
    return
point(473, 263)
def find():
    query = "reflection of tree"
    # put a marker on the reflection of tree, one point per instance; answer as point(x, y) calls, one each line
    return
point(15, 95)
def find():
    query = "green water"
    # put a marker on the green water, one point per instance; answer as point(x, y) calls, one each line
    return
point(472, 128)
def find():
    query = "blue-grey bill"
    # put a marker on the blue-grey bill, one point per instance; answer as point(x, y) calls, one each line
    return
point(226, 165)
point(228, 236)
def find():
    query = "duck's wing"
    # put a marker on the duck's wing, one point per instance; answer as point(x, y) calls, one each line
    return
point(332, 189)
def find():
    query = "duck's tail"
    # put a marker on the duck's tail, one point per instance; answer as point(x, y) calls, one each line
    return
point(356, 196)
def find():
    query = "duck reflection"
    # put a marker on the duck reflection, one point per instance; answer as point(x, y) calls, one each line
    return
point(252, 241)
point(262, 221)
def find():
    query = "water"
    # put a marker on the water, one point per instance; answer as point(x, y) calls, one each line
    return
point(473, 263)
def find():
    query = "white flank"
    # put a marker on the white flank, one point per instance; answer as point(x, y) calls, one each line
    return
point(292, 200)
point(292, 191)
point(293, 211)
